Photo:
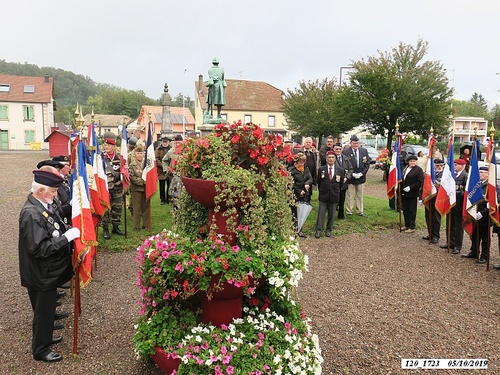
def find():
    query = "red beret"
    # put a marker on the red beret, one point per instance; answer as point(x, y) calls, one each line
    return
point(110, 141)
point(460, 162)
point(330, 153)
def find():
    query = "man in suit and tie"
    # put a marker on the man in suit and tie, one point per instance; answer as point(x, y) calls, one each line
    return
point(330, 178)
point(341, 162)
point(359, 163)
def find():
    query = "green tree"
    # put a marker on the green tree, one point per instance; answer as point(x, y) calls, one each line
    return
point(312, 109)
point(398, 87)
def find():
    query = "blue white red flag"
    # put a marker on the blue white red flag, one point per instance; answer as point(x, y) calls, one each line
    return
point(395, 175)
point(429, 189)
point(492, 192)
point(81, 218)
point(98, 181)
point(149, 173)
point(473, 192)
point(446, 196)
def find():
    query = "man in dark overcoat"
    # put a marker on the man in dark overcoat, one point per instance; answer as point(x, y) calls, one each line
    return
point(330, 177)
point(44, 259)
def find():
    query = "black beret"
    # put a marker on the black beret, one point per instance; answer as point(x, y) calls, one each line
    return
point(178, 137)
point(438, 161)
point(411, 157)
point(164, 139)
point(51, 163)
point(62, 159)
point(47, 178)
point(354, 138)
point(483, 168)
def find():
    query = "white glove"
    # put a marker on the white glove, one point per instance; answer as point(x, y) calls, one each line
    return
point(72, 233)
point(357, 175)
point(406, 189)
point(479, 216)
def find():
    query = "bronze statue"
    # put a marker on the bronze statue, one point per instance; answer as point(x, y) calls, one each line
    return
point(216, 88)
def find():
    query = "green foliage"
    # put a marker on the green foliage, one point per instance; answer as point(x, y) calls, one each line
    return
point(475, 107)
point(399, 86)
point(314, 109)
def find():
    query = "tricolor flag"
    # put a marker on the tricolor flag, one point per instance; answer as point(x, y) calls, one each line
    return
point(98, 181)
point(82, 218)
point(149, 173)
point(473, 192)
point(429, 189)
point(395, 175)
point(492, 192)
point(446, 196)
point(123, 159)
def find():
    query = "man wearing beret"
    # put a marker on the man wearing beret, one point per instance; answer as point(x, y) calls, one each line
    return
point(359, 162)
point(432, 216)
point(44, 258)
point(454, 218)
point(115, 187)
point(163, 175)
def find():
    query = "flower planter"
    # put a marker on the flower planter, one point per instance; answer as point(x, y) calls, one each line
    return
point(204, 192)
point(166, 363)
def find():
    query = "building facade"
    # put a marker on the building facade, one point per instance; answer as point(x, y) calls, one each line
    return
point(27, 107)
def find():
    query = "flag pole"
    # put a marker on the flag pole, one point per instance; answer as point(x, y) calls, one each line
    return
point(124, 204)
point(77, 311)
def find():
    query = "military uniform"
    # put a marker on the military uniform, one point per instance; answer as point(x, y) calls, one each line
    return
point(163, 178)
point(454, 221)
point(115, 188)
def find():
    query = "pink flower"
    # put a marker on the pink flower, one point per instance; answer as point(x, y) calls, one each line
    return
point(230, 370)
point(178, 267)
point(236, 248)
point(157, 270)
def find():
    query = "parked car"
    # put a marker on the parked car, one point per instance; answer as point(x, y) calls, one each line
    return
point(408, 150)
point(372, 153)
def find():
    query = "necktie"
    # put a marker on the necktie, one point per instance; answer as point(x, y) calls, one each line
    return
point(49, 207)
point(330, 173)
point(356, 157)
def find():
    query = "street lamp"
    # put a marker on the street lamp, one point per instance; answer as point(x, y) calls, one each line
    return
point(340, 75)
point(183, 116)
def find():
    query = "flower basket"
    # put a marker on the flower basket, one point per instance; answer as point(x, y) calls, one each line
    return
point(165, 362)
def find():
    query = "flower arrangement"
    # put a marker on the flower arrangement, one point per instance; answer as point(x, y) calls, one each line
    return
point(383, 161)
point(192, 263)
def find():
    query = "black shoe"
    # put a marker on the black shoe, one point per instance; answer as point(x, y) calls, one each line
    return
point(162, 203)
point(317, 234)
point(50, 357)
point(56, 339)
point(470, 255)
point(496, 266)
point(105, 233)
point(117, 231)
point(328, 233)
point(435, 240)
point(58, 302)
point(61, 315)
point(456, 250)
point(341, 217)
point(426, 237)
point(445, 246)
point(481, 261)
point(66, 285)
point(61, 293)
point(58, 325)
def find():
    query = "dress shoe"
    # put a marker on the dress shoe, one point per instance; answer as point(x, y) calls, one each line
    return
point(117, 231)
point(58, 325)
point(105, 233)
point(328, 233)
point(456, 250)
point(66, 285)
point(409, 230)
point(361, 214)
point(481, 261)
point(445, 246)
point(61, 293)
point(317, 234)
point(341, 217)
point(58, 302)
point(496, 266)
point(403, 229)
point(61, 315)
point(56, 339)
point(435, 240)
point(470, 255)
point(426, 237)
point(162, 203)
point(50, 357)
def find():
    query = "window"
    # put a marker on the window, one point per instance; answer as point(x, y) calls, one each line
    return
point(29, 89)
point(4, 88)
point(248, 118)
point(28, 113)
point(4, 114)
point(29, 136)
point(270, 121)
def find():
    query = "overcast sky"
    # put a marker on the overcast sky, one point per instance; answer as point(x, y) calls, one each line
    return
point(140, 45)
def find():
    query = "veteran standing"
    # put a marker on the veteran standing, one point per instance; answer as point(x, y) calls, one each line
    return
point(359, 162)
point(413, 179)
point(330, 178)
point(44, 259)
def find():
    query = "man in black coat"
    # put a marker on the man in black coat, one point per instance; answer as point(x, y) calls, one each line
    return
point(330, 178)
point(454, 218)
point(432, 216)
point(44, 258)
point(413, 179)
point(341, 162)
point(359, 162)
